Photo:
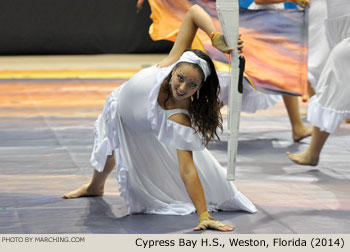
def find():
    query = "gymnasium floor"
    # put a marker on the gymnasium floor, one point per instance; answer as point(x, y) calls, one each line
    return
point(48, 105)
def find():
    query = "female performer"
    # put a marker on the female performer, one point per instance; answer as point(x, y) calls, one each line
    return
point(331, 104)
point(154, 128)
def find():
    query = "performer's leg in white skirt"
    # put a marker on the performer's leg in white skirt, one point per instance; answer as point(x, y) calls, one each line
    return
point(331, 104)
point(97, 183)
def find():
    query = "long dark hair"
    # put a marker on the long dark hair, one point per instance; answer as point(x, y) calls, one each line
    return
point(205, 110)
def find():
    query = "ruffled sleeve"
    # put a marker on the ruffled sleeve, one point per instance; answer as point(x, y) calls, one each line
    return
point(168, 132)
point(179, 136)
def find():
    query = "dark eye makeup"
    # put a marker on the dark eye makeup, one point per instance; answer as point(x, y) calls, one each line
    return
point(181, 78)
point(192, 85)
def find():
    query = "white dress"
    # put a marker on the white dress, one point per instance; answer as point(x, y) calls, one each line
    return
point(276, 6)
point(252, 99)
point(144, 141)
point(318, 45)
point(331, 104)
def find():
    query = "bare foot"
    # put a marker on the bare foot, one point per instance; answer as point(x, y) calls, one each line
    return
point(304, 158)
point(301, 133)
point(83, 191)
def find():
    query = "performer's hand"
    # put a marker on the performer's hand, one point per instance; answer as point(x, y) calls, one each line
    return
point(302, 3)
point(218, 41)
point(240, 44)
point(208, 222)
point(139, 5)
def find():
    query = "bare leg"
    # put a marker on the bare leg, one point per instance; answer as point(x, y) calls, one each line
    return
point(312, 155)
point(96, 186)
point(298, 127)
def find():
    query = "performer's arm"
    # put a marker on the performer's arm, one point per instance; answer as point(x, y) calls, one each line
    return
point(191, 180)
point(193, 184)
point(188, 171)
point(194, 189)
point(195, 18)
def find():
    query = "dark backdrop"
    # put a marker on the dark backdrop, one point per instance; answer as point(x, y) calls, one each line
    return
point(76, 27)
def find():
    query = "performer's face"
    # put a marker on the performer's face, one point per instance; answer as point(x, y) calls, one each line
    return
point(185, 81)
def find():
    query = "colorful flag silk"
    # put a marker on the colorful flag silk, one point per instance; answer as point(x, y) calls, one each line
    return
point(275, 42)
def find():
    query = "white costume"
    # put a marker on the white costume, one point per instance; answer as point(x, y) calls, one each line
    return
point(252, 99)
point(277, 6)
point(318, 44)
point(331, 104)
point(144, 142)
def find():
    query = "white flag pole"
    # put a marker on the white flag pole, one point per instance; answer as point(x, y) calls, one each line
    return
point(228, 12)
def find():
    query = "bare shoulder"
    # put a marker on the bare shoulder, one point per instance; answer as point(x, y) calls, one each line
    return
point(181, 118)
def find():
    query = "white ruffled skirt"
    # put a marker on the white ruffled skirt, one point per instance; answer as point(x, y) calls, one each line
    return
point(252, 99)
point(331, 104)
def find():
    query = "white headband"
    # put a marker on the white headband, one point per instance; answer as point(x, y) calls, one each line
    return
point(191, 57)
